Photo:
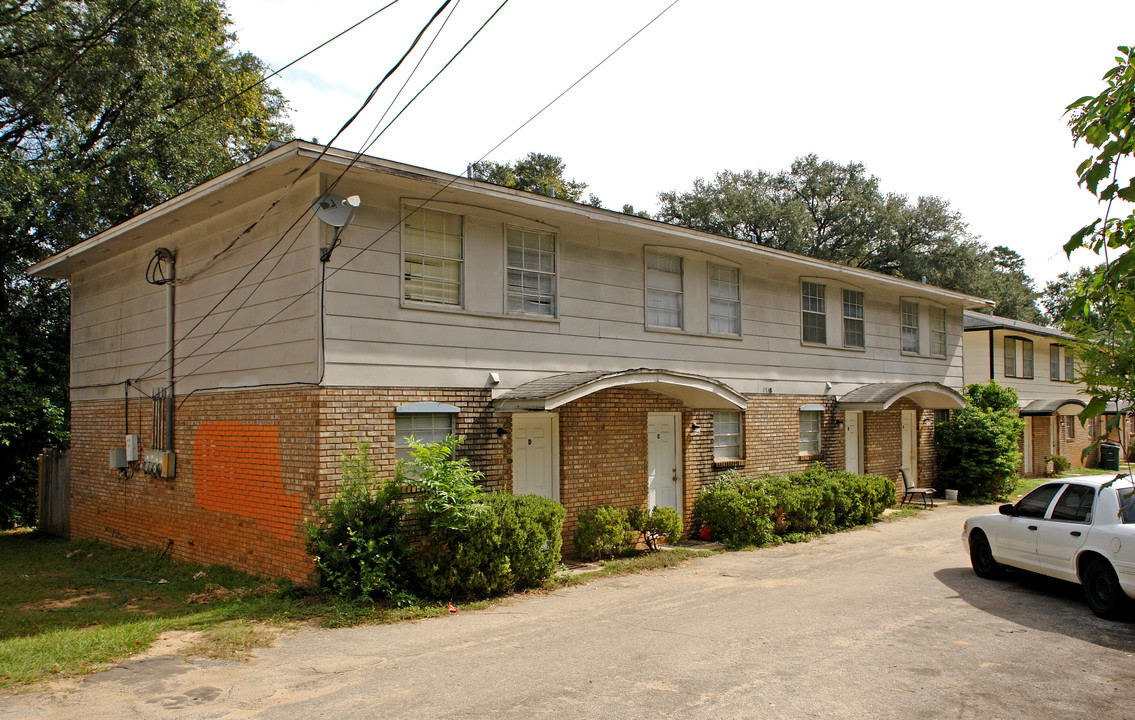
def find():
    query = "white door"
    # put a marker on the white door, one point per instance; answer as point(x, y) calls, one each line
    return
point(853, 441)
point(1028, 446)
point(1052, 435)
point(664, 482)
point(910, 446)
point(534, 461)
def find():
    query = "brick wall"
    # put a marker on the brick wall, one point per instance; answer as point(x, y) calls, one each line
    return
point(246, 479)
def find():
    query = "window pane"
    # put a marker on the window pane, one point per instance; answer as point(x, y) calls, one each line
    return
point(854, 334)
point(433, 252)
point(1027, 359)
point(1036, 503)
point(727, 435)
point(1010, 357)
point(1069, 366)
point(810, 431)
point(531, 266)
point(937, 331)
point(724, 300)
point(1054, 362)
point(425, 427)
point(910, 335)
point(1075, 504)
point(814, 320)
point(663, 290)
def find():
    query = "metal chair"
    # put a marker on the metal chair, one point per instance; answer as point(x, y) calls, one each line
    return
point(910, 493)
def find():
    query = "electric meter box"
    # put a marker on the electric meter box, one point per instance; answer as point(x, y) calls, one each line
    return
point(159, 463)
point(117, 458)
point(131, 448)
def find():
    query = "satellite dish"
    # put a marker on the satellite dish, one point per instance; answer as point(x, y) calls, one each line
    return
point(335, 210)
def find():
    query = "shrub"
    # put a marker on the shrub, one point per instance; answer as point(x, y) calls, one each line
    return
point(512, 542)
point(737, 511)
point(659, 525)
point(445, 491)
point(1060, 464)
point(359, 545)
point(977, 448)
point(602, 531)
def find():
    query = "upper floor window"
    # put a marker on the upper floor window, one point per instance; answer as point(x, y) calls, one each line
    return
point(853, 329)
point(1069, 365)
point(1027, 359)
point(1054, 373)
point(531, 265)
point(727, 435)
point(815, 319)
point(909, 319)
point(1010, 357)
point(663, 290)
point(433, 258)
point(1054, 362)
point(938, 331)
point(724, 300)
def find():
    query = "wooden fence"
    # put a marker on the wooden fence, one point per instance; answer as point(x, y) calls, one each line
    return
point(55, 492)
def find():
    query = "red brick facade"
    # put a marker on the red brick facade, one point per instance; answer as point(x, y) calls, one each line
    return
point(252, 464)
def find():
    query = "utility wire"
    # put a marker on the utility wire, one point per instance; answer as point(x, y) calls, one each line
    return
point(443, 188)
point(145, 375)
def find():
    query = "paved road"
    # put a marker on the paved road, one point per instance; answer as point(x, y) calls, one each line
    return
point(882, 622)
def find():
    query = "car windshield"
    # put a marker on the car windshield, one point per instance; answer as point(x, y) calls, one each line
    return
point(1127, 505)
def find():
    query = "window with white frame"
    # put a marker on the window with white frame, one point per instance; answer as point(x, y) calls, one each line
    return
point(1054, 362)
point(1069, 366)
point(814, 319)
point(663, 290)
point(1010, 357)
point(854, 333)
point(938, 331)
point(727, 435)
point(423, 427)
point(909, 319)
point(724, 300)
point(433, 256)
point(810, 430)
point(1027, 359)
point(531, 267)
point(1070, 426)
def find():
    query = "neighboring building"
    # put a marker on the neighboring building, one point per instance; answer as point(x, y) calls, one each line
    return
point(1039, 364)
point(586, 355)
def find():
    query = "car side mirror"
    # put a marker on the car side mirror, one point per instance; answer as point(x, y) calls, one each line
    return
point(1006, 509)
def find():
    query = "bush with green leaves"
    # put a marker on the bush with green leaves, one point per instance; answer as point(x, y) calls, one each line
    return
point(359, 544)
point(755, 511)
point(656, 526)
point(1060, 464)
point(978, 452)
point(602, 531)
point(473, 543)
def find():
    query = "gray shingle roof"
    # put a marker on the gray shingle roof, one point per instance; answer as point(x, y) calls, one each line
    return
point(980, 321)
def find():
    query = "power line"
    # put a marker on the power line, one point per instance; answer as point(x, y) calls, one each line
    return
point(145, 375)
point(443, 188)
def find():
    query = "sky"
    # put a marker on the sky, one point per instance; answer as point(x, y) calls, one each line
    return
point(962, 100)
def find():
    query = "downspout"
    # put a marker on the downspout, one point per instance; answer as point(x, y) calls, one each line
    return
point(991, 354)
point(169, 351)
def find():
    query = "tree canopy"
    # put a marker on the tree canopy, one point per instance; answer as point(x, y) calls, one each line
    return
point(107, 107)
point(535, 173)
point(838, 213)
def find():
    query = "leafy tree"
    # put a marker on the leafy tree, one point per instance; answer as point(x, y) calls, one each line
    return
point(978, 452)
point(1057, 296)
point(107, 107)
point(838, 213)
point(536, 173)
point(1101, 311)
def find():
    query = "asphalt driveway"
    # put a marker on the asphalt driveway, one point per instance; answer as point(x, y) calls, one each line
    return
point(887, 621)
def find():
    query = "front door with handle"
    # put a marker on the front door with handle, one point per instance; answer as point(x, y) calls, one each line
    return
point(664, 480)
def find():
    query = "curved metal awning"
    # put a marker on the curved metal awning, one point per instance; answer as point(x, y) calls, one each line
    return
point(696, 391)
point(880, 396)
point(1068, 406)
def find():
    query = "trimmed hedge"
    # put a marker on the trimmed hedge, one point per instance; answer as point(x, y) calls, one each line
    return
point(602, 531)
point(755, 511)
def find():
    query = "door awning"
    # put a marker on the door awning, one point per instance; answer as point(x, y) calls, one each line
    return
point(1069, 406)
point(880, 396)
point(696, 391)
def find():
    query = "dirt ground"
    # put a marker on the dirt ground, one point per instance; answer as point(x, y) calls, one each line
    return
point(883, 622)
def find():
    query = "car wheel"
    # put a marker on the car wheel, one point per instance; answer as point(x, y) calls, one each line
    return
point(981, 557)
point(1102, 591)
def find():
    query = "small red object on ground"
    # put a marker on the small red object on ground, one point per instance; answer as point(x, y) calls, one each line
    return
point(706, 533)
point(452, 608)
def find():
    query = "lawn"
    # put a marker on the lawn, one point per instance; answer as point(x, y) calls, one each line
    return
point(71, 608)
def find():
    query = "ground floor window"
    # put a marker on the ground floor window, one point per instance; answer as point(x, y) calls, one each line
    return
point(810, 431)
point(727, 435)
point(425, 427)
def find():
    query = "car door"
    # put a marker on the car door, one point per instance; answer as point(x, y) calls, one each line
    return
point(1016, 538)
point(1064, 531)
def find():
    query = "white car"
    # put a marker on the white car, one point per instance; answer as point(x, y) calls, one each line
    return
point(1080, 530)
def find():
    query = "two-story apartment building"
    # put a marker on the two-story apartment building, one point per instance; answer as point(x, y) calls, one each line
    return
point(586, 355)
point(1039, 364)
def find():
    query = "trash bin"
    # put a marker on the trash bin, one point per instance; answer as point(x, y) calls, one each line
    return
point(1109, 456)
